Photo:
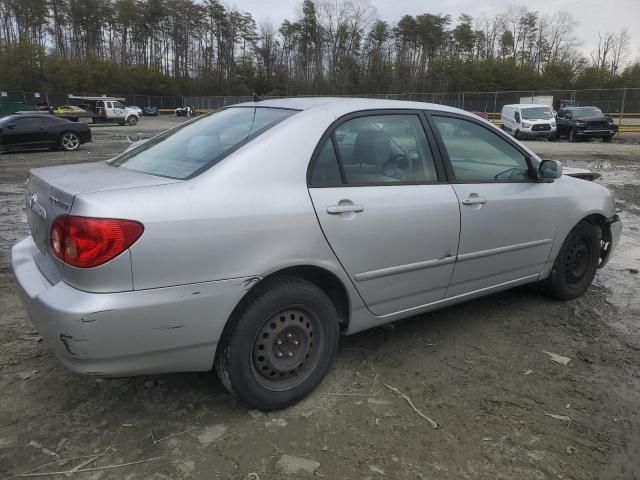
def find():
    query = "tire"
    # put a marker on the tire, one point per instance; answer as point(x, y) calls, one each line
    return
point(279, 345)
point(517, 135)
point(132, 120)
point(572, 135)
point(69, 141)
point(607, 139)
point(576, 263)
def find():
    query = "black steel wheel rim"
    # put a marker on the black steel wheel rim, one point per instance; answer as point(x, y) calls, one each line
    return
point(578, 260)
point(287, 348)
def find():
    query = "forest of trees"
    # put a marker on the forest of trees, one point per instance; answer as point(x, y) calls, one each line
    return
point(202, 47)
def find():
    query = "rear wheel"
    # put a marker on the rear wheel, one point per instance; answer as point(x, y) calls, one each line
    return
point(280, 344)
point(576, 263)
point(517, 135)
point(607, 139)
point(69, 141)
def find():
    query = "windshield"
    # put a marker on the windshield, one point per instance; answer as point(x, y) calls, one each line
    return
point(586, 113)
point(186, 151)
point(537, 113)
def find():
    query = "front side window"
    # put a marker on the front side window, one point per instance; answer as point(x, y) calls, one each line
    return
point(184, 151)
point(479, 155)
point(117, 105)
point(385, 149)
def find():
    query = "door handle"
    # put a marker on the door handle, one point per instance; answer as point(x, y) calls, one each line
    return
point(338, 209)
point(474, 201)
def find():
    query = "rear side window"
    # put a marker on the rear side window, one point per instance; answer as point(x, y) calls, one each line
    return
point(326, 171)
point(479, 155)
point(381, 149)
point(185, 151)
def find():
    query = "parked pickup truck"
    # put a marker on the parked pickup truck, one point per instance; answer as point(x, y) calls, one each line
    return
point(585, 122)
point(99, 110)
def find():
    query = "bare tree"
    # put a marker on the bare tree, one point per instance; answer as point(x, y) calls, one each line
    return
point(600, 56)
point(619, 51)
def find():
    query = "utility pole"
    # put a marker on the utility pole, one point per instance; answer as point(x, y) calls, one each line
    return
point(624, 99)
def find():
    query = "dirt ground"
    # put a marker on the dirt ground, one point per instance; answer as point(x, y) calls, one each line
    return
point(479, 370)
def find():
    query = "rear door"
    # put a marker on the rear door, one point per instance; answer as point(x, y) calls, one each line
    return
point(508, 219)
point(382, 203)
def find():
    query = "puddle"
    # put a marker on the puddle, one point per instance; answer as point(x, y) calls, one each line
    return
point(620, 278)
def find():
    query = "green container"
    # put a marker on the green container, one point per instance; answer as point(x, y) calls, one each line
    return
point(9, 108)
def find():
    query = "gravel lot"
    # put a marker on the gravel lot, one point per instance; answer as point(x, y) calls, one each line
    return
point(478, 369)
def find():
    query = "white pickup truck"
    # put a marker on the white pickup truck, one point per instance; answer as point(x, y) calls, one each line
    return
point(99, 110)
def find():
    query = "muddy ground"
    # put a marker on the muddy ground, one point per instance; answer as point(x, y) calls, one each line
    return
point(478, 369)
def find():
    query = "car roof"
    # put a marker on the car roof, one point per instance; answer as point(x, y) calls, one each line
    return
point(344, 105)
point(581, 108)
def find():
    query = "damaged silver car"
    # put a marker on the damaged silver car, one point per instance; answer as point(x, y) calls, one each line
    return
point(248, 240)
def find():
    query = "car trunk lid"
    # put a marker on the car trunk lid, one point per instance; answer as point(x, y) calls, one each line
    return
point(51, 192)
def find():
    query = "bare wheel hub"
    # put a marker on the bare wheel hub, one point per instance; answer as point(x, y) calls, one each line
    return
point(284, 345)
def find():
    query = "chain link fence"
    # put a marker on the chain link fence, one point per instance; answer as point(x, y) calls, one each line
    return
point(622, 104)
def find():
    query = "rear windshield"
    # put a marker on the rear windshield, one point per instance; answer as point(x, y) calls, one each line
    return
point(537, 113)
point(586, 113)
point(194, 146)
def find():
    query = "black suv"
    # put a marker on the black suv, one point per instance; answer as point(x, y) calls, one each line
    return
point(585, 122)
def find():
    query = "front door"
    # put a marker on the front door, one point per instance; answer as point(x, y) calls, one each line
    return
point(114, 111)
point(391, 223)
point(508, 219)
point(28, 132)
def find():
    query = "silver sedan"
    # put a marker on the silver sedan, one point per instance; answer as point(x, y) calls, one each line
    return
point(249, 239)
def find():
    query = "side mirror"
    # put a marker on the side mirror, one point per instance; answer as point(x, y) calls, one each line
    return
point(10, 126)
point(549, 170)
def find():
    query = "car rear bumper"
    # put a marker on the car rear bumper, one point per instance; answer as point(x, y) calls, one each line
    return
point(162, 330)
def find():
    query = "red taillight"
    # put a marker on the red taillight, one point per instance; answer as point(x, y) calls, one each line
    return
point(88, 242)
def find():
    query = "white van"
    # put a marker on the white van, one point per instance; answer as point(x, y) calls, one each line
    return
point(529, 121)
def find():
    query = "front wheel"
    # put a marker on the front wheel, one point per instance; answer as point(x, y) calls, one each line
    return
point(607, 139)
point(517, 135)
point(279, 346)
point(576, 263)
point(69, 141)
point(131, 121)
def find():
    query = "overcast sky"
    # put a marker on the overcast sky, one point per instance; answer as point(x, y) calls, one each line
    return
point(593, 16)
